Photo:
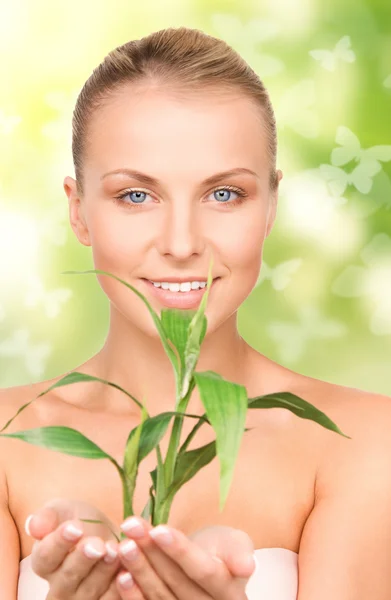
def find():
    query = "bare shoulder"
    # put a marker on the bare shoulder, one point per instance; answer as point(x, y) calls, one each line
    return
point(357, 412)
point(363, 416)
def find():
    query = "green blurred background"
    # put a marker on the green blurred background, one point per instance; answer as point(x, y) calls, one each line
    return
point(322, 305)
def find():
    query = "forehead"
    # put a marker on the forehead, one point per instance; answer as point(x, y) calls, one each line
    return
point(156, 130)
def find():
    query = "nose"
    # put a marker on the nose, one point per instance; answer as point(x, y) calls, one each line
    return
point(182, 234)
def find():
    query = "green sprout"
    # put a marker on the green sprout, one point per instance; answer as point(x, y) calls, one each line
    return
point(225, 402)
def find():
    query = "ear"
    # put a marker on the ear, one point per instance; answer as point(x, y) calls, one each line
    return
point(76, 212)
point(273, 205)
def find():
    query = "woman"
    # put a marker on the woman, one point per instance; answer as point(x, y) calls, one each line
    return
point(154, 128)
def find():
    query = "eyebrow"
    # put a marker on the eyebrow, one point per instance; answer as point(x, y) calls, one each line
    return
point(149, 180)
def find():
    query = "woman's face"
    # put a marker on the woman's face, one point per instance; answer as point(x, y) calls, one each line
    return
point(170, 227)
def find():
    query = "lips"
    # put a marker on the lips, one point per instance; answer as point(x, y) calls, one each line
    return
point(184, 300)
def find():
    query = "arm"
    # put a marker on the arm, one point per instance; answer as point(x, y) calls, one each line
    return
point(345, 549)
point(9, 537)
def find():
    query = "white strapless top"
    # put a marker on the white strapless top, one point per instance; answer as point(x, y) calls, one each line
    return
point(275, 577)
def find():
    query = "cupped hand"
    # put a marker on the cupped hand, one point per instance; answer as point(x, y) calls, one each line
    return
point(186, 567)
point(76, 566)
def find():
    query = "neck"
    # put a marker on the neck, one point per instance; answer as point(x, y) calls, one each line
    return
point(138, 363)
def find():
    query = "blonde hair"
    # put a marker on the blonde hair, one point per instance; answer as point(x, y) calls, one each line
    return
point(182, 61)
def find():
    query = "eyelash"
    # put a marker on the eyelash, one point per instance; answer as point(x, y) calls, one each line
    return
point(241, 193)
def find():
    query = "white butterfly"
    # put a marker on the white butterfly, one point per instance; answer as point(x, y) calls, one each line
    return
point(34, 355)
point(378, 248)
point(246, 37)
point(329, 58)
point(368, 159)
point(351, 149)
point(16, 345)
point(371, 281)
point(292, 338)
point(51, 300)
point(36, 358)
point(280, 275)
point(360, 177)
point(387, 81)
point(296, 109)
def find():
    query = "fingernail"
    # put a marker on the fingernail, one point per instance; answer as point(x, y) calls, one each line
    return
point(71, 532)
point(249, 561)
point(92, 552)
point(132, 526)
point(27, 525)
point(111, 554)
point(162, 535)
point(125, 580)
point(129, 549)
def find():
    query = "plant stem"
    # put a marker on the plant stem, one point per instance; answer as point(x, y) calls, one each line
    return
point(160, 488)
point(128, 508)
point(163, 508)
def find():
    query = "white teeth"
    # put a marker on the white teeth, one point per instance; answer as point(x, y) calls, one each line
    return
point(180, 287)
point(185, 287)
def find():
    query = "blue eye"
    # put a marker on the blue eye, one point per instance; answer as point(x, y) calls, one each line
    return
point(223, 191)
point(138, 200)
point(139, 196)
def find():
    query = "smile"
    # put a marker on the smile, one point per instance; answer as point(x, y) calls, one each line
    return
point(175, 297)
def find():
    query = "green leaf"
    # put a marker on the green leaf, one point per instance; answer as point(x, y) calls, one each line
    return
point(225, 403)
point(154, 429)
point(176, 324)
point(188, 464)
point(196, 334)
point(153, 475)
point(298, 406)
point(132, 447)
point(131, 461)
point(148, 508)
point(62, 439)
point(69, 378)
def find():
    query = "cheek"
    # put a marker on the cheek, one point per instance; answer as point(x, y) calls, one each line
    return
point(244, 245)
point(115, 242)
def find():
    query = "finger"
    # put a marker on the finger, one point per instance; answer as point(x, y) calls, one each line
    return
point(233, 546)
point(42, 522)
point(177, 582)
point(47, 518)
point(48, 553)
point(102, 575)
point(210, 575)
point(238, 554)
point(113, 591)
point(136, 563)
point(128, 588)
point(76, 567)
